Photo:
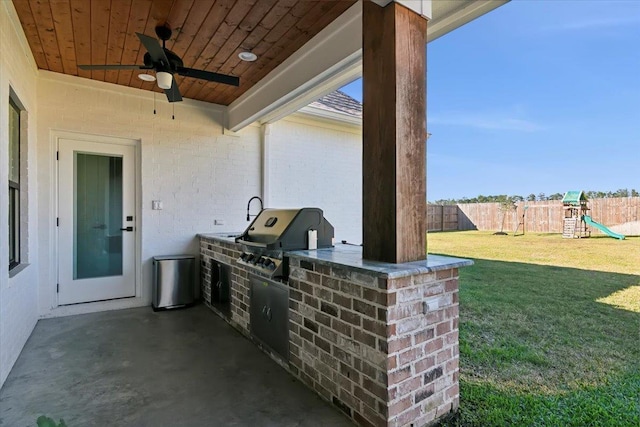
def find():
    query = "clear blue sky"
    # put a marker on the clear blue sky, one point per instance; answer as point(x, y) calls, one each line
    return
point(535, 97)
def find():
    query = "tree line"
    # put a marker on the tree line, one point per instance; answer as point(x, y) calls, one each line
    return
point(504, 199)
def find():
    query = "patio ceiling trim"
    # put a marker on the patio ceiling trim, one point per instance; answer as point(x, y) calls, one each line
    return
point(14, 19)
point(330, 60)
point(421, 7)
point(326, 60)
point(461, 16)
point(338, 77)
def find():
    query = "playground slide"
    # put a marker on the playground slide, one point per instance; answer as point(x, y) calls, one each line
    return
point(602, 228)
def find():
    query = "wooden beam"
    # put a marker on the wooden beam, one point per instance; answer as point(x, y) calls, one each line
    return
point(394, 133)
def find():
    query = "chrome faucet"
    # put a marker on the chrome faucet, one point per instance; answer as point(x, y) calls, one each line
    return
point(249, 205)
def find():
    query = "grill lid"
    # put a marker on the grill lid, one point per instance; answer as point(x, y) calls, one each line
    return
point(286, 229)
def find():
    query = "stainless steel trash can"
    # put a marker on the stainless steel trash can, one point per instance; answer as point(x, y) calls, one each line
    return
point(173, 281)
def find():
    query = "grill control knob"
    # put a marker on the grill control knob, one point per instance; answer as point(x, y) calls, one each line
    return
point(270, 264)
point(261, 260)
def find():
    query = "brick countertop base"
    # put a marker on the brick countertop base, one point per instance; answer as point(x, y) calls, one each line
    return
point(379, 341)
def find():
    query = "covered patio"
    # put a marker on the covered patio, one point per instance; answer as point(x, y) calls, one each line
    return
point(187, 169)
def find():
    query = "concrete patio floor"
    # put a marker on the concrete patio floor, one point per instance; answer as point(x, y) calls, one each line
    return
point(140, 368)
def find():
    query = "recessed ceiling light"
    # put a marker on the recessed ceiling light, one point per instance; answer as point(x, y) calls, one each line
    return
point(247, 56)
point(147, 77)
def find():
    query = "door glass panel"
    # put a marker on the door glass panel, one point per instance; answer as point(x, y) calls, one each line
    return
point(97, 248)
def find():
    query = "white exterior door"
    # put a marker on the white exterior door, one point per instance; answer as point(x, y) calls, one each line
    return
point(96, 221)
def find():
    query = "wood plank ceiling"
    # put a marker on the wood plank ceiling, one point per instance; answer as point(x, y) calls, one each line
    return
point(207, 34)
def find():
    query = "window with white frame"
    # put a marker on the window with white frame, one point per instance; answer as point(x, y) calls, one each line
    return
point(14, 183)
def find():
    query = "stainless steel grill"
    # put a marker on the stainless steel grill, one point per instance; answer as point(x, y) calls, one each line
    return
point(274, 232)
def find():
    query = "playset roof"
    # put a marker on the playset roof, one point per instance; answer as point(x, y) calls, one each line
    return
point(575, 198)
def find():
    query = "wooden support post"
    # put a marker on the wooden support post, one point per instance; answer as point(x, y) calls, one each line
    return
point(394, 133)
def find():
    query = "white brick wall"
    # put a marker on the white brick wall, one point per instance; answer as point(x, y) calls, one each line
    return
point(18, 294)
point(321, 166)
point(198, 173)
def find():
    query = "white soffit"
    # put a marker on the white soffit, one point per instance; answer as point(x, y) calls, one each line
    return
point(333, 58)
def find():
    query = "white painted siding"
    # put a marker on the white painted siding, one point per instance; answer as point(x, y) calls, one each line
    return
point(318, 165)
point(18, 294)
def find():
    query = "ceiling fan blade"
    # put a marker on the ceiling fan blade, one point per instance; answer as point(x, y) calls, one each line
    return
point(112, 67)
point(208, 75)
point(173, 94)
point(155, 50)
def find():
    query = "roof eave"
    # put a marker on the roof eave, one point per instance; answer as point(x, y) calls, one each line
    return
point(321, 113)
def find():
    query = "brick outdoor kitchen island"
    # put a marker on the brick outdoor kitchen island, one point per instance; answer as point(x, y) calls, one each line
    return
point(378, 340)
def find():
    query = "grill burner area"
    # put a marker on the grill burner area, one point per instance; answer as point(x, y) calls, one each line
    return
point(274, 232)
point(268, 265)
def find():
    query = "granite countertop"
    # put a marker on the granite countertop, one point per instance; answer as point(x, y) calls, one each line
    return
point(226, 237)
point(350, 257)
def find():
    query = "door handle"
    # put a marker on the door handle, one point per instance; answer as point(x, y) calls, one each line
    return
point(127, 229)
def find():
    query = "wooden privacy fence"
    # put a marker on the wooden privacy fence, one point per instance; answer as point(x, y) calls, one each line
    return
point(442, 217)
point(619, 214)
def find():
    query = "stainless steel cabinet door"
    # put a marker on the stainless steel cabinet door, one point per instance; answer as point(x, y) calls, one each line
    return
point(269, 314)
point(219, 283)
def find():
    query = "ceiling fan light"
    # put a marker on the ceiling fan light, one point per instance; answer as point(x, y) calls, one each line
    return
point(164, 79)
point(247, 56)
point(147, 77)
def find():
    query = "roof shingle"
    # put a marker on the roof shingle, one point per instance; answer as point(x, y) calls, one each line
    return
point(339, 102)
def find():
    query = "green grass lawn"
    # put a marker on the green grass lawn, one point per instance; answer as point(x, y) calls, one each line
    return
point(549, 329)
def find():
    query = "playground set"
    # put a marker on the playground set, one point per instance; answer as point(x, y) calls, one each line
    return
point(577, 222)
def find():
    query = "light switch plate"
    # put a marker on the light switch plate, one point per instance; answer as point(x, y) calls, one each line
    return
point(156, 205)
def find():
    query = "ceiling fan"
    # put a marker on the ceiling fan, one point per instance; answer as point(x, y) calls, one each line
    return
point(166, 63)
